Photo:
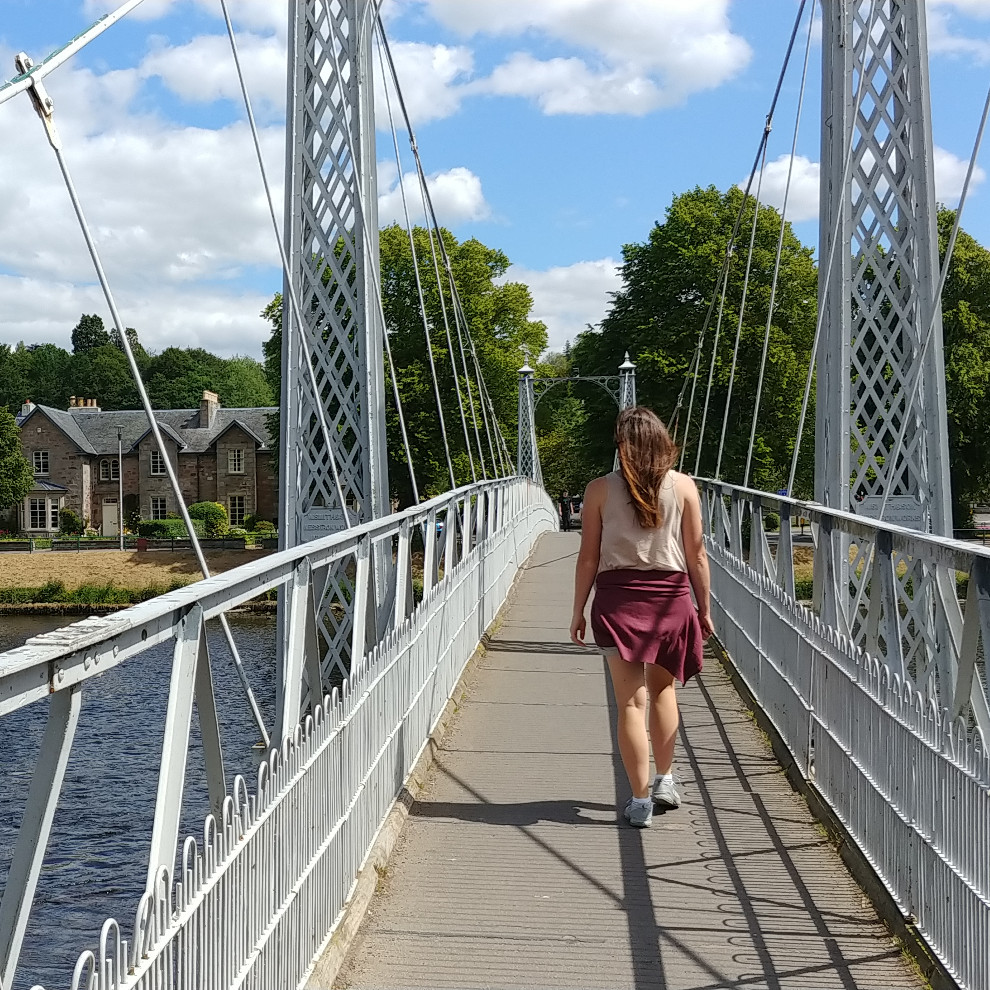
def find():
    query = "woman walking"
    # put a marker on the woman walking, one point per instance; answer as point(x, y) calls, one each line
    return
point(642, 549)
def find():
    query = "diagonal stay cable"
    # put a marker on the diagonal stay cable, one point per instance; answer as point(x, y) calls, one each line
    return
point(45, 110)
point(711, 370)
point(742, 311)
point(833, 245)
point(731, 243)
point(428, 214)
point(780, 247)
point(286, 269)
point(415, 261)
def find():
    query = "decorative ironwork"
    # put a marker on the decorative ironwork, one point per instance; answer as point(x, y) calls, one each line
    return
point(879, 265)
point(332, 239)
point(621, 388)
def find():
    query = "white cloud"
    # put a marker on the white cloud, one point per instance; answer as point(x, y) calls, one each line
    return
point(568, 299)
point(265, 15)
point(432, 79)
point(950, 173)
point(802, 200)
point(945, 40)
point(165, 316)
point(456, 194)
point(173, 219)
point(567, 85)
point(202, 71)
point(643, 54)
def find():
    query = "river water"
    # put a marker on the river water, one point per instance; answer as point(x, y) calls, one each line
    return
point(97, 857)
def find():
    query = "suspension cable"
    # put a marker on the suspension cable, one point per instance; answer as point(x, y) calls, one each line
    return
point(730, 244)
point(857, 104)
point(711, 367)
point(742, 310)
point(45, 110)
point(780, 248)
point(415, 261)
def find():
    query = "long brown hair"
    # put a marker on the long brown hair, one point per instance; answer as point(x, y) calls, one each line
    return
point(646, 454)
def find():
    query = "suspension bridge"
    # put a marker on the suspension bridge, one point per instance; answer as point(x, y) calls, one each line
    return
point(451, 747)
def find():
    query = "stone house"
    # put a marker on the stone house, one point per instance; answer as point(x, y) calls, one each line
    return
point(219, 455)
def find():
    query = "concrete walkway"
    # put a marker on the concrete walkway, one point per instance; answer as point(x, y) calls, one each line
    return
point(513, 872)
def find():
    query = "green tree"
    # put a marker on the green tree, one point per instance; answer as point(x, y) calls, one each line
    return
point(177, 378)
point(16, 476)
point(102, 373)
point(15, 376)
point(498, 315)
point(244, 384)
point(667, 285)
point(88, 333)
point(966, 329)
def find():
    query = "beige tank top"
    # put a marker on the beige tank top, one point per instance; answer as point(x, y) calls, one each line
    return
point(625, 544)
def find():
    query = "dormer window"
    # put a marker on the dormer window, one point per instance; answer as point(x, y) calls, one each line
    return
point(157, 463)
point(41, 462)
point(235, 460)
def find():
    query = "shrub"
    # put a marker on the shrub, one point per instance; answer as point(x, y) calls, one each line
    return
point(214, 517)
point(250, 522)
point(158, 529)
point(51, 591)
point(804, 589)
point(69, 522)
point(264, 528)
point(771, 522)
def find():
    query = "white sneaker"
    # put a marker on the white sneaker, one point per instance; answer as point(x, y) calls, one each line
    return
point(665, 794)
point(639, 815)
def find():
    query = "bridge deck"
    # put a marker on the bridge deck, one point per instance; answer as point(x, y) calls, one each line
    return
point(512, 871)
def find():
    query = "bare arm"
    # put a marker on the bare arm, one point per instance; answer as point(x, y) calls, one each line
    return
point(587, 562)
point(696, 555)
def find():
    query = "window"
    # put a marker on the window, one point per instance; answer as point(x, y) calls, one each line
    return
point(157, 463)
point(235, 460)
point(110, 469)
point(41, 462)
point(159, 508)
point(236, 510)
point(115, 470)
point(39, 513)
point(53, 507)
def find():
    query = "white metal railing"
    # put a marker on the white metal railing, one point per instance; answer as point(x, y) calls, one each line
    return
point(253, 903)
point(907, 776)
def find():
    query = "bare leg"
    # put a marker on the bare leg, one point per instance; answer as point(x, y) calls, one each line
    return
point(664, 716)
point(630, 700)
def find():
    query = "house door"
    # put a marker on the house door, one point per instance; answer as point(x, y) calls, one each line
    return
point(110, 527)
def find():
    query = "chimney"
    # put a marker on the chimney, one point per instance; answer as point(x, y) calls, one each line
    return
point(77, 402)
point(208, 407)
point(27, 408)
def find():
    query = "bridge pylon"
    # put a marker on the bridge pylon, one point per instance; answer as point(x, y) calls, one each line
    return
point(333, 457)
point(880, 389)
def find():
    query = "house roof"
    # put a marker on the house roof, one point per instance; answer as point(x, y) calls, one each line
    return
point(41, 485)
point(96, 432)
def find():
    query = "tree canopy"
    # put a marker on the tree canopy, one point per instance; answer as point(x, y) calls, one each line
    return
point(16, 476)
point(966, 335)
point(497, 313)
point(97, 368)
point(668, 283)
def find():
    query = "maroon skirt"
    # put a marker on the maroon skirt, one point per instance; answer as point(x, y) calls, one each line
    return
point(648, 617)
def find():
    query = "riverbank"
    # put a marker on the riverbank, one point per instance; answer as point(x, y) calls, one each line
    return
point(91, 582)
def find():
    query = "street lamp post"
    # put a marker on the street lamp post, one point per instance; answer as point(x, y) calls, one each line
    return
point(120, 485)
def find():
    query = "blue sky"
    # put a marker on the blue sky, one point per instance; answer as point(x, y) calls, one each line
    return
point(556, 130)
